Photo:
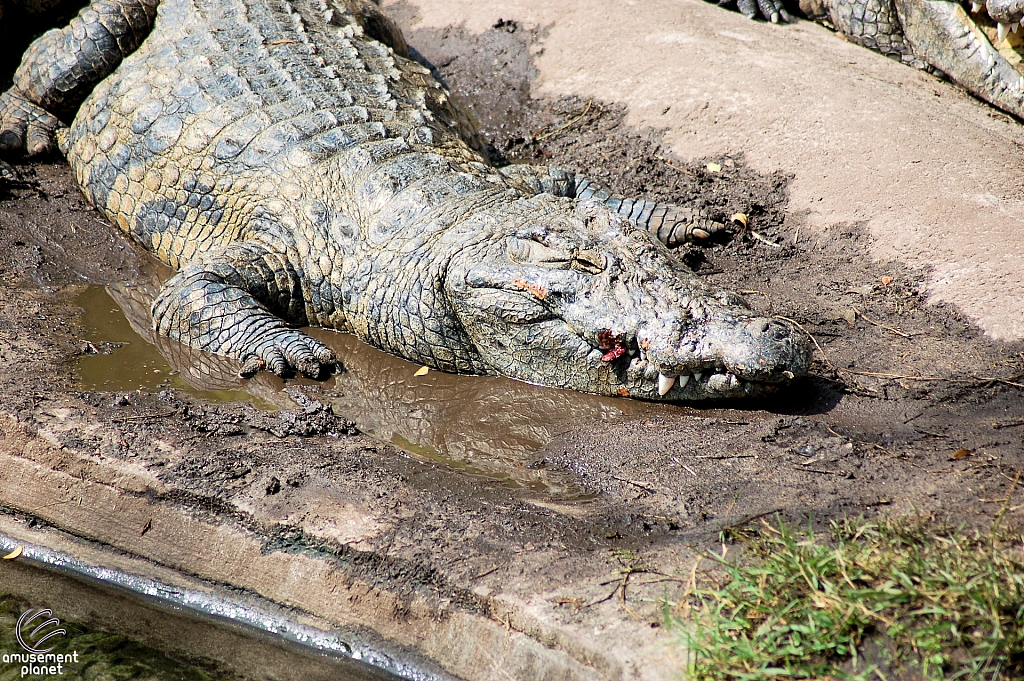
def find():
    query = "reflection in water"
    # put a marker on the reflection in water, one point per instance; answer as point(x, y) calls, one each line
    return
point(125, 361)
point(477, 424)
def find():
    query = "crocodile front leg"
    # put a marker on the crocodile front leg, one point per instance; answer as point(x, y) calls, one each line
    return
point(60, 68)
point(670, 223)
point(228, 302)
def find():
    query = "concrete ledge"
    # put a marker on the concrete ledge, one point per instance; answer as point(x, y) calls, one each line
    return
point(119, 515)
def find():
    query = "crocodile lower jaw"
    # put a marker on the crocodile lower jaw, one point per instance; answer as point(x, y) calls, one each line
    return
point(707, 384)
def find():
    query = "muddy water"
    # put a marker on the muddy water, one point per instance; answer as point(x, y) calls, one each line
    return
point(119, 359)
point(479, 425)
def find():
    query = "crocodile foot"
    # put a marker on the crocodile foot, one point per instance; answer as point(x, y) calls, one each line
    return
point(769, 10)
point(7, 173)
point(284, 348)
point(198, 308)
point(24, 127)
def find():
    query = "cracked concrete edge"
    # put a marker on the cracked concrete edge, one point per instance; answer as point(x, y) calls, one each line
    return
point(221, 621)
point(115, 518)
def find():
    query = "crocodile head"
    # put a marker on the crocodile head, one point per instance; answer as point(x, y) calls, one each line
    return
point(581, 299)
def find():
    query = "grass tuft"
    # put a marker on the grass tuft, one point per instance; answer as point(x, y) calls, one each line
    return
point(869, 600)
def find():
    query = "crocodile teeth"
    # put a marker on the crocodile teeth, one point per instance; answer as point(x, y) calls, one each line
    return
point(975, 7)
point(665, 383)
point(697, 375)
point(1001, 31)
point(1014, 26)
point(683, 380)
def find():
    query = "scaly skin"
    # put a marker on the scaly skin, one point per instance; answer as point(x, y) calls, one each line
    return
point(936, 35)
point(295, 170)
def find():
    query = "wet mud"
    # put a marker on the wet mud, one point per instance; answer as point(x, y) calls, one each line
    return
point(897, 382)
point(908, 408)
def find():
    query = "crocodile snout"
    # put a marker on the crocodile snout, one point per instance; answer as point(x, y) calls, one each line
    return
point(726, 355)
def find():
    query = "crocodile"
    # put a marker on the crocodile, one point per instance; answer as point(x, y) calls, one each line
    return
point(297, 168)
point(968, 44)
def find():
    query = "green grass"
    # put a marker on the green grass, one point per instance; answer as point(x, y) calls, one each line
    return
point(102, 656)
point(869, 600)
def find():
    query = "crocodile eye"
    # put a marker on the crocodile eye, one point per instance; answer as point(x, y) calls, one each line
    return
point(590, 262)
point(531, 252)
point(519, 250)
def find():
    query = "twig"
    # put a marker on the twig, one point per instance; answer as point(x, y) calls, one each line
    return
point(726, 456)
point(541, 138)
point(881, 326)
point(762, 239)
point(675, 167)
point(1008, 424)
point(818, 470)
point(485, 573)
point(973, 379)
point(145, 417)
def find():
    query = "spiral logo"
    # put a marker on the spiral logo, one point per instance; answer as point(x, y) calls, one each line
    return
point(33, 641)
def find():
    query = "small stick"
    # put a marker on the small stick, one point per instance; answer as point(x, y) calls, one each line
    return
point(541, 138)
point(984, 379)
point(144, 417)
point(675, 167)
point(762, 239)
point(882, 326)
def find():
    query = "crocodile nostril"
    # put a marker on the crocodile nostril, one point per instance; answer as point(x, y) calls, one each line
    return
point(758, 327)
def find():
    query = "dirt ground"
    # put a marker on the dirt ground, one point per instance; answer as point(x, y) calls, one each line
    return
point(909, 408)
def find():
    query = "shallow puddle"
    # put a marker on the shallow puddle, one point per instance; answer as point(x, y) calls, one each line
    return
point(479, 425)
point(118, 359)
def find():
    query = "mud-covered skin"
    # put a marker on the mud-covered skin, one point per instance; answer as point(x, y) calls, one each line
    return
point(296, 170)
point(937, 35)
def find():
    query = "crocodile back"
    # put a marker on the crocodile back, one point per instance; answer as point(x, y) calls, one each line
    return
point(235, 118)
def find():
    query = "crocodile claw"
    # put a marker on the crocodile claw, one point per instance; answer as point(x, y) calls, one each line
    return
point(284, 350)
point(7, 173)
point(769, 10)
point(24, 127)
